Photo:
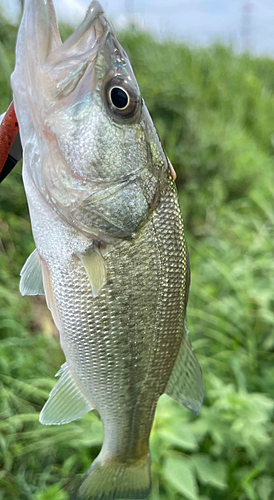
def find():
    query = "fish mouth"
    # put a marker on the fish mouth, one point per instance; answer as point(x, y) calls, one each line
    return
point(66, 65)
point(82, 42)
point(61, 74)
point(52, 68)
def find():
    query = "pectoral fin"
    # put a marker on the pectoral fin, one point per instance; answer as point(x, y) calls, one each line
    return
point(31, 282)
point(66, 403)
point(95, 267)
point(186, 383)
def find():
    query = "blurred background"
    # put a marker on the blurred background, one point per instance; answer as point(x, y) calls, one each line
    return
point(247, 24)
point(208, 82)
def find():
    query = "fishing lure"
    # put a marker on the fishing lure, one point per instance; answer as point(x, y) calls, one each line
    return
point(10, 144)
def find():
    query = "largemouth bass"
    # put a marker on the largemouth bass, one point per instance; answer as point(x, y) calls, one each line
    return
point(110, 253)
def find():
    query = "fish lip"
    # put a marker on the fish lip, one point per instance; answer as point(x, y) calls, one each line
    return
point(94, 12)
point(96, 7)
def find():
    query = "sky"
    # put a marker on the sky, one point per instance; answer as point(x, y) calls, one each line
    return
point(244, 23)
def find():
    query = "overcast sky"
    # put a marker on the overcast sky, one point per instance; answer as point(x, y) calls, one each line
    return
point(242, 22)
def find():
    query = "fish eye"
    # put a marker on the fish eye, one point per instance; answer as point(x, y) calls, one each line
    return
point(119, 97)
point(123, 98)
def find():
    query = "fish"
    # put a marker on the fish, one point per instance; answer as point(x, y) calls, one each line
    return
point(111, 256)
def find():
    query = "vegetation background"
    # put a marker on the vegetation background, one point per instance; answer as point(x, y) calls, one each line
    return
point(214, 111)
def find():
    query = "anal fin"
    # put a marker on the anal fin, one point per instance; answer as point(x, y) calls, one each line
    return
point(31, 282)
point(186, 382)
point(66, 403)
point(95, 267)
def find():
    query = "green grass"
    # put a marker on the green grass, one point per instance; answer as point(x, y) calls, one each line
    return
point(214, 112)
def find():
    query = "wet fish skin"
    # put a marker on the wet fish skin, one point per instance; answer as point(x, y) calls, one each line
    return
point(110, 242)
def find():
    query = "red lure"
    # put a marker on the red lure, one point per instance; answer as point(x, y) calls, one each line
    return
point(8, 131)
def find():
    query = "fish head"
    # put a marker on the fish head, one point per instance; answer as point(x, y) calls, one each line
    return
point(90, 144)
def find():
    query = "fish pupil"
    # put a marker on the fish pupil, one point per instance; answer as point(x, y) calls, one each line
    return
point(119, 97)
